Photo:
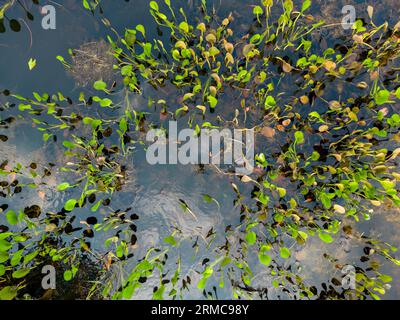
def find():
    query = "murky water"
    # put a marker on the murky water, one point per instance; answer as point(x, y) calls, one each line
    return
point(154, 192)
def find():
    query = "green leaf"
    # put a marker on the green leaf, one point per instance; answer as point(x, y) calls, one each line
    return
point(87, 120)
point(325, 237)
point(381, 97)
point(4, 257)
point(2, 270)
point(213, 101)
point(303, 235)
point(46, 137)
point(119, 251)
point(264, 259)
point(158, 295)
point(184, 26)
point(387, 184)
point(225, 262)
point(385, 278)
point(398, 93)
point(96, 206)
point(100, 85)
point(12, 217)
point(4, 8)
point(5, 245)
point(141, 29)
point(282, 192)
point(299, 137)
point(29, 257)
point(251, 237)
point(270, 102)
point(8, 293)
point(68, 275)
point(306, 5)
point(208, 272)
point(31, 63)
point(63, 186)
point(154, 6)
point(68, 144)
point(258, 10)
point(202, 284)
point(285, 253)
point(170, 240)
point(18, 274)
point(213, 51)
point(70, 204)
point(123, 125)
point(105, 102)
point(326, 201)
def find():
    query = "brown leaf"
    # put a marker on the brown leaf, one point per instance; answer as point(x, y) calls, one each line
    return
point(280, 127)
point(339, 209)
point(335, 104)
point(323, 128)
point(246, 179)
point(41, 195)
point(374, 75)
point(268, 132)
point(304, 100)
point(248, 48)
point(286, 67)
point(370, 10)
point(330, 65)
point(357, 38)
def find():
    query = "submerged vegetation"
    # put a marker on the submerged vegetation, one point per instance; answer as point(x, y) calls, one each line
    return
point(327, 125)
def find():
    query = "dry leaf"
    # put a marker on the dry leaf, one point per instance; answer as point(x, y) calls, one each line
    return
point(280, 127)
point(338, 157)
point(286, 67)
point(330, 65)
point(12, 177)
point(246, 179)
point(376, 203)
point(370, 10)
point(229, 47)
point(229, 59)
point(362, 85)
point(339, 209)
point(395, 154)
point(385, 111)
point(248, 48)
point(50, 227)
point(211, 38)
point(268, 132)
point(374, 75)
point(309, 17)
point(108, 261)
point(202, 108)
point(41, 195)
point(357, 38)
point(304, 100)
point(323, 128)
point(397, 27)
point(163, 116)
point(334, 104)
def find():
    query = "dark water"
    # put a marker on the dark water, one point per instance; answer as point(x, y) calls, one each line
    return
point(154, 191)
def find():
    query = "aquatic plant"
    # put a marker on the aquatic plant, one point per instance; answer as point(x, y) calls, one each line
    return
point(328, 114)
